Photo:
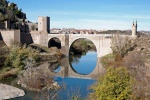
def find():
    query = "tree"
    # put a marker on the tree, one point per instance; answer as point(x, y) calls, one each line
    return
point(122, 45)
point(116, 84)
point(10, 11)
point(3, 52)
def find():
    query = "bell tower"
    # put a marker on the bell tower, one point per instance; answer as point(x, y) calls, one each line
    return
point(134, 29)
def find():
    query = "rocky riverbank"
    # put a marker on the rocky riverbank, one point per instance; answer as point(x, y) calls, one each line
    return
point(8, 92)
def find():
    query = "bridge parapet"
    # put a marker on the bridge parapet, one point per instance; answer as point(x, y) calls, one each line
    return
point(92, 35)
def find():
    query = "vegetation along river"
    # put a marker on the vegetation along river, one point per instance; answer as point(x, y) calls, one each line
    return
point(73, 74)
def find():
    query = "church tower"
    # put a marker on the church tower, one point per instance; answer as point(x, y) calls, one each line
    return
point(134, 29)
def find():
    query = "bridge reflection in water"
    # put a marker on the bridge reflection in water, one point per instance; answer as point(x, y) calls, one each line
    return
point(67, 71)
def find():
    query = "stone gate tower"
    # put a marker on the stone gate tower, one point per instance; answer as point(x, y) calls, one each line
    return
point(44, 24)
point(43, 30)
point(134, 29)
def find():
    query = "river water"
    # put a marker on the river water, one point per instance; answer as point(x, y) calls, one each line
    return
point(73, 79)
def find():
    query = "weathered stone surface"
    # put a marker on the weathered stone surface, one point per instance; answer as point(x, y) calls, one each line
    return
point(7, 92)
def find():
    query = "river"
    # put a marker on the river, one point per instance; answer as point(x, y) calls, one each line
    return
point(76, 79)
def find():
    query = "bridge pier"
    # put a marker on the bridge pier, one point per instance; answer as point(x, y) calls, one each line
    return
point(65, 50)
point(65, 67)
point(99, 55)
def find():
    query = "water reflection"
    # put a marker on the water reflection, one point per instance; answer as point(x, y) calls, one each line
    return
point(54, 67)
point(57, 69)
point(74, 86)
point(84, 64)
point(63, 74)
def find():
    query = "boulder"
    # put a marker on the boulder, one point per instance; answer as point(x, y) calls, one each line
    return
point(8, 92)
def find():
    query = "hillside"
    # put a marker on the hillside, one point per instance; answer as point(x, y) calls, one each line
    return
point(140, 56)
point(138, 63)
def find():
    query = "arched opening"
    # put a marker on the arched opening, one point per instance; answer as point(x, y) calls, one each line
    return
point(54, 42)
point(83, 56)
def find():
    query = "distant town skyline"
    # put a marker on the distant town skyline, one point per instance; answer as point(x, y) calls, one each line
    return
point(89, 14)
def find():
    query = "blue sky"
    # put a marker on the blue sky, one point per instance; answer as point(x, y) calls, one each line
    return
point(89, 14)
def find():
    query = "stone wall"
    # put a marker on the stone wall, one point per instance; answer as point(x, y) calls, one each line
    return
point(104, 46)
point(12, 26)
point(35, 37)
point(2, 25)
point(10, 36)
point(26, 39)
point(43, 39)
point(1, 38)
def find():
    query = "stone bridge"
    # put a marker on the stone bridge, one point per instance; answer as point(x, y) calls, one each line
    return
point(43, 36)
point(102, 42)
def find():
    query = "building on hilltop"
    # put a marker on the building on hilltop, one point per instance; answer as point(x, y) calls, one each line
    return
point(134, 29)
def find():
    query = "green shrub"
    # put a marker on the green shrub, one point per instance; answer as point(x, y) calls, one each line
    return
point(107, 60)
point(76, 97)
point(3, 52)
point(18, 55)
point(116, 84)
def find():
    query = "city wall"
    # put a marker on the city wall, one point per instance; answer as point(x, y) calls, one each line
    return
point(35, 37)
point(10, 36)
point(26, 39)
point(2, 25)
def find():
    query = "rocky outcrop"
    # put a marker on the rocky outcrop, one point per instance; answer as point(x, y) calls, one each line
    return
point(8, 92)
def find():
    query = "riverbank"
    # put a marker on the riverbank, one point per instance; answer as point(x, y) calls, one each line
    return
point(11, 72)
point(11, 65)
point(8, 92)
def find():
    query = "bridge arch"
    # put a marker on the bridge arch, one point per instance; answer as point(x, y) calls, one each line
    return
point(95, 40)
point(100, 41)
point(88, 45)
point(54, 42)
point(84, 39)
